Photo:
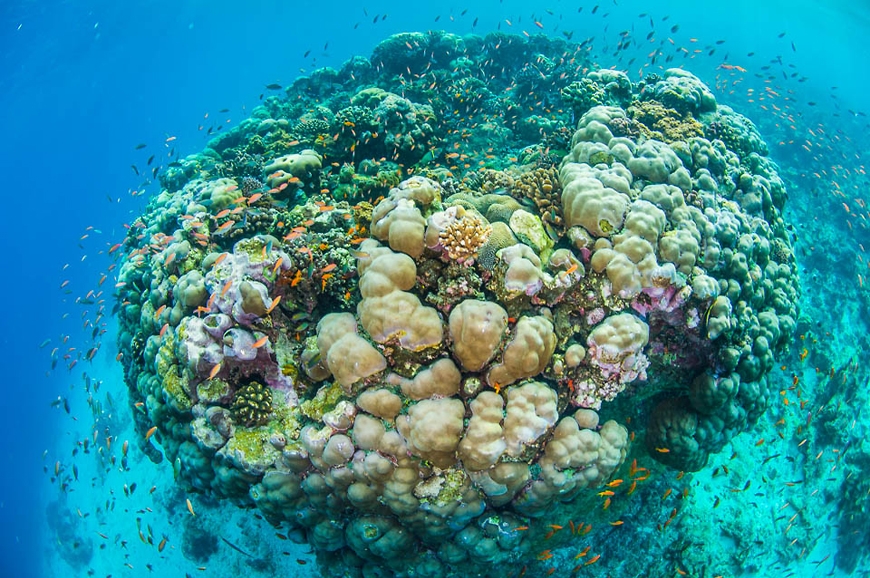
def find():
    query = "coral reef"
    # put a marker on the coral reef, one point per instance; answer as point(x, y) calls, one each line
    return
point(398, 343)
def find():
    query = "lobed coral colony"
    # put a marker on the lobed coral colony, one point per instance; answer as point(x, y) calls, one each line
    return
point(410, 309)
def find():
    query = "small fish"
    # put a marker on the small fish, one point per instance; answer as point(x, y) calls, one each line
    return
point(214, 371)
point(150, 432)
point(273, 86)
point(277, 264)
point(274, 304)
point(141, 146)
point(190, 508)
point(261, 342)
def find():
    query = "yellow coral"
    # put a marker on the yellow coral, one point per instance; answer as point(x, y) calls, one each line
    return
point(464, 236)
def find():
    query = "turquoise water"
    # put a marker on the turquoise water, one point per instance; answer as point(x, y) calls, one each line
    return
point(87, 84)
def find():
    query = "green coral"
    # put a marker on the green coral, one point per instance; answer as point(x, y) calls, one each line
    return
point(443, 488)
point(323, 402)
point(176, 386)
point(253, 247)
point(253, 443)
point(252, 404)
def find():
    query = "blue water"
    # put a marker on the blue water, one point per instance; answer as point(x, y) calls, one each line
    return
point(82, 83)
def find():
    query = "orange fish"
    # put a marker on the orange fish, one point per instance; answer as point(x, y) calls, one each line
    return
point(593, 560)
point(150, 432)
point(583, 552)
point(190, 508)
point(222, 214)
point(324, 279)
point(328, 268)
point(254, 198)
point(261, 342)
point(214, 371)
point(226, 287)
point(274, 304)
point(277, 264)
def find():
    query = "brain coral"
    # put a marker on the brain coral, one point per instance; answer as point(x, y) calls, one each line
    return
point(410, 381)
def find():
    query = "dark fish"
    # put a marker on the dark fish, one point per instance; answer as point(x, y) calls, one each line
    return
point(473, 24)
point(674, 28)
point(464, 12)
point(781, 34)
point(273, 86)
point(437, 18)
point(375, 20)
point(594, 10)
point(355, 26)
point(236, 548)
point(720, 42)
point(135, 170)
point(307, 52)
point(154, 172)
point(141, 146)
point(150, 160)
point(224, 110)
point(793, 48)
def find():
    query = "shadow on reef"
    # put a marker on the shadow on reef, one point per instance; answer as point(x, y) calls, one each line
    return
point(387, 308)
